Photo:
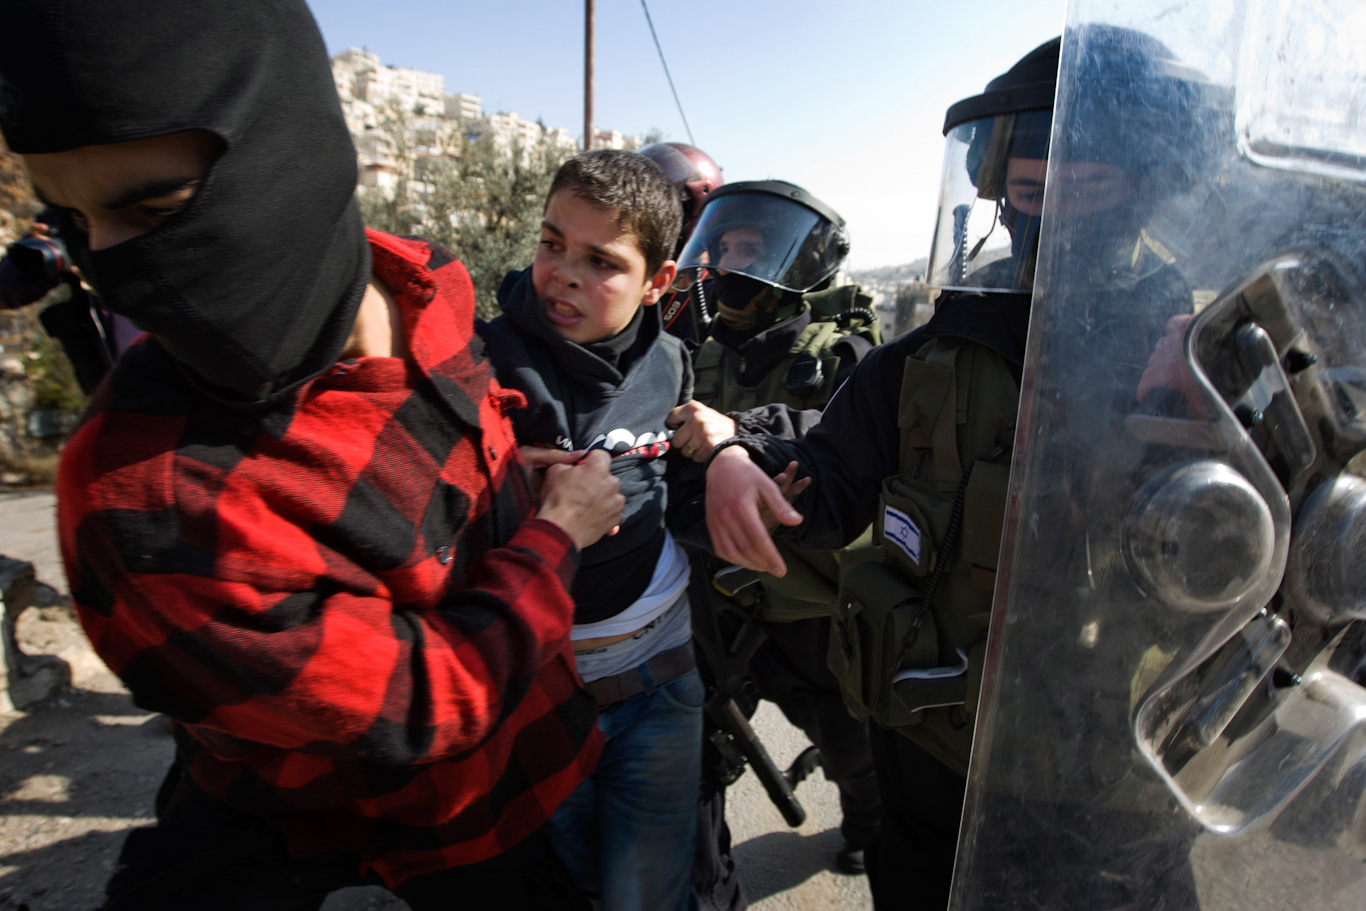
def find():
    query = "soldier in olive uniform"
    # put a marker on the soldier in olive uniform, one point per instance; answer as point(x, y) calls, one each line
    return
point(781, 344)
point(918, 442)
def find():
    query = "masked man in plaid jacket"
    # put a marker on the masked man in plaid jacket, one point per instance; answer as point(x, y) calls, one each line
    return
point(293, 518)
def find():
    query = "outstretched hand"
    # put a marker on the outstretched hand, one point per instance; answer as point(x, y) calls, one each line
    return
point(744, 505)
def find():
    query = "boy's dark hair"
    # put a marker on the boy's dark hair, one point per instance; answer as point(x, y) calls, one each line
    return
point(645, 199)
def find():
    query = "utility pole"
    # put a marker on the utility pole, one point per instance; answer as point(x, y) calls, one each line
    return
point(588, 75)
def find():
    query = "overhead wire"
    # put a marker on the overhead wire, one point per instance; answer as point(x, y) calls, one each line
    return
point(667, 76)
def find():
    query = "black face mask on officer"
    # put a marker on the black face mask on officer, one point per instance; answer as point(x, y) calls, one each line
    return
point(745, 303)
point(1092, 193)
point(254, 284)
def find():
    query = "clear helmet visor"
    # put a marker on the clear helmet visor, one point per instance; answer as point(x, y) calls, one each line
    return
point(990, 203)
point(767, 237)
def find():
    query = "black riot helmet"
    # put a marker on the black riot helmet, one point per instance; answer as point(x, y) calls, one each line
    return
point(986, 236)
point(1146, 112)
point(769, 230)
point(765, 242)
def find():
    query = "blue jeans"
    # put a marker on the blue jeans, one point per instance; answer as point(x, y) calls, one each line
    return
point(629, 831)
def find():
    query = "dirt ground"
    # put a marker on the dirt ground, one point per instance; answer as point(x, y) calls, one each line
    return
point(76, 773)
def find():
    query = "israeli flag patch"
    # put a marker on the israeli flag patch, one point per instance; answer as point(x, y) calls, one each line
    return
point(902, 531)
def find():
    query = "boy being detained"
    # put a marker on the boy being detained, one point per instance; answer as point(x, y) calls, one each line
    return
point(581, 339)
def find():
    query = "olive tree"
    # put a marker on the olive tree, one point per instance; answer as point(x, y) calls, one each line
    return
point(476, 194)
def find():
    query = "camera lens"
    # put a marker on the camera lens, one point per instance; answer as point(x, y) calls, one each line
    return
point(39, 259)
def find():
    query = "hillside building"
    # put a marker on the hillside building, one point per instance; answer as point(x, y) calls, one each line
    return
point(434, 121)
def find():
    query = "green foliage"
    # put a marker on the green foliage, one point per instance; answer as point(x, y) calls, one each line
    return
point(49, 370)
point(45, 363)
point(400, 212)
point(481, 200)
point(394, 214)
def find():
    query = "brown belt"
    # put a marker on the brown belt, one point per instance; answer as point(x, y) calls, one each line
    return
point(663, 667)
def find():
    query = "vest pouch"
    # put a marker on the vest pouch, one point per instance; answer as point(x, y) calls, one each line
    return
point(984, 507)
point(808, 590)
point(706, 392)
point(910, 523)
point(856, 553)
point(946, 733)
point(879, 628)
point(848, 630)
point(811, 587)
point(707, 368)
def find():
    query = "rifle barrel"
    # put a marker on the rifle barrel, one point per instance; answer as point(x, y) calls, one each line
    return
point(730, 719)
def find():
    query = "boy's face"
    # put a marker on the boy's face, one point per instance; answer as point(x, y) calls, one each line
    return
point(589, 274)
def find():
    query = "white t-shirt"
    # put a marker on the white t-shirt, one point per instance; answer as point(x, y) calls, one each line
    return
point(666, 584)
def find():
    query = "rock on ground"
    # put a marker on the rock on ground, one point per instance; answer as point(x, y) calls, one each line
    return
point(28, 532)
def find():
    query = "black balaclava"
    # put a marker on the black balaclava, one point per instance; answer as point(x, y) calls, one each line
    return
point(1140, 110)
point(750, 306)
point(256, 282)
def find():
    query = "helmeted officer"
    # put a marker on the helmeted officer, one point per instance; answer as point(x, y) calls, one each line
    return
point(983, 261)
point(782, 336)
point(920, 439)
point(685, 310)
point(781, 343)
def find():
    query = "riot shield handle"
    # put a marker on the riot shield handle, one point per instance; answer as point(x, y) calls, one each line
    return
point(1269, 394)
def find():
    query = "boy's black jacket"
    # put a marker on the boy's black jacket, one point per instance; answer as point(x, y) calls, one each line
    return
point(574, 400)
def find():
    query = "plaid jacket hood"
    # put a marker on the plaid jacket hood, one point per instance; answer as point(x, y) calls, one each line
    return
point(341, 601)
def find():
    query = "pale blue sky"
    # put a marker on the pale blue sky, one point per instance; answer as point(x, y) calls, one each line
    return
point(844, 98)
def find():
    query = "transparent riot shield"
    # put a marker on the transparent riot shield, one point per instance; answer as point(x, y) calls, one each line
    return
point(1173, 712)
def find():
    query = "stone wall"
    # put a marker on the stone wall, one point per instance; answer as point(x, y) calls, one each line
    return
point(16, 401)
point(31, 437)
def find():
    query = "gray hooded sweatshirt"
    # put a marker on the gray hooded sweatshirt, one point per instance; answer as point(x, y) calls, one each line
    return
point(576, 399)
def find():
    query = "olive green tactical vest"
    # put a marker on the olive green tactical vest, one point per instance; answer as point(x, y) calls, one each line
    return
point(939, 526)
point(717, 368)
point(811, 585)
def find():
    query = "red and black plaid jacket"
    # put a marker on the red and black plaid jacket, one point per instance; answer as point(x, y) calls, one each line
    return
point(342, 601)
